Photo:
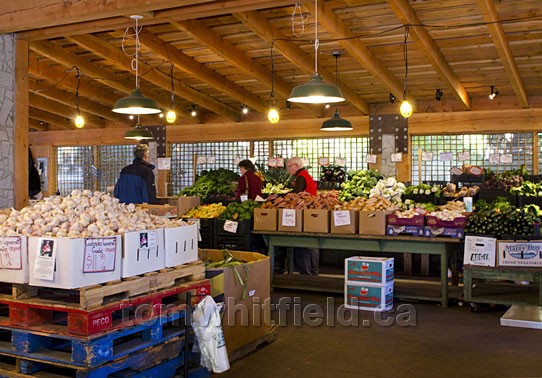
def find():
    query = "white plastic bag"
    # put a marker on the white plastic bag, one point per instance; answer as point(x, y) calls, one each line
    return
point(208, 329)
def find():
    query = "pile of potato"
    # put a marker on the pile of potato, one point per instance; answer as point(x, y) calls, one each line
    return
point(451, 191)
point(367, 204)
point(299, 201)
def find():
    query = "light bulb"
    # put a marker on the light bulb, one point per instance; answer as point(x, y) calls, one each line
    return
point(405, 109)
point(161, 115)
point(244, 109)
point(79, 121)
point(273, 115)
point(193, 113)
point(171, 116)
point(130, 117)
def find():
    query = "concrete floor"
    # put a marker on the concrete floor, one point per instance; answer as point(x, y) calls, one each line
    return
point(452, 342)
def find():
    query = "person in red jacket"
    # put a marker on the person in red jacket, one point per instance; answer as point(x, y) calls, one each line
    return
point(249, 184)
point(306, 260)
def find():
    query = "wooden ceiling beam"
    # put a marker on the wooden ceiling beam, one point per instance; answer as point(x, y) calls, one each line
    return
point(50, 118)
point(259, 24)
point(503, 48)
point(121, 60)
point(200, 71)
point(57, 108)
point(37, 125)
point(338, 29)
point(406, 14)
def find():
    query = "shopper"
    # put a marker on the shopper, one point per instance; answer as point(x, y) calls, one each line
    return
point(249, 185)
point(306, 260)
point(136, 181)
point(34, 180)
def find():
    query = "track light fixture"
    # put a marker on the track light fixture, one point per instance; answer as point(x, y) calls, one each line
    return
point(438, 95)
point(493, 93)
point(392, 98)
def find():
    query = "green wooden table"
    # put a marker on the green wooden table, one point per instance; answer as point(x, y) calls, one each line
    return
point(441, 246)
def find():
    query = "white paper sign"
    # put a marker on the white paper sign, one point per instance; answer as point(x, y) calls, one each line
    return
point(243, 197)
point(396, 158)
point(341, 218)
point(147, 239)
point(44, 268)
point(164, 164)
point(236, 161)
point(323, 161)
point(305, 162)
point(446, 156)
point(231, 226)
point(211, 159)
point(99, 255)
point(371, 159)
point(427, 156)
point(288, 217)
point(272, 162)
point(494, 158)
point(340, 162)
point(479, 251)
point(201, 160)
point(463, 156)
point(10, 253)
point(280, 162)
point(506, 159)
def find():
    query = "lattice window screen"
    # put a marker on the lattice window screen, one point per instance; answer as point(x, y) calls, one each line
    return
point(480, 146)
point(111, 160)
point(74, 167)
point(261, 151)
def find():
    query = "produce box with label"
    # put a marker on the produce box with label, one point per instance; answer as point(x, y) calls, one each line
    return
point(377, 270)
point(368, 296)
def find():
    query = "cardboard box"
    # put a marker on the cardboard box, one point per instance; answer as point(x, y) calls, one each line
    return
point(265, 219)
point(71, 264)
point(245, 319)
point(480, 250)
point(14, 259)
point(368, 296)
point(395, 220)
point(316, 221)
point(459, 222)
point(457, 233)
point(519, 253)
point(160, 210)
point(181, 245)
point(410, 230)
point(183, 204)
point(290, 220)
point(376, 270)
point(351, 228)
point(143, 252)
point(373, 222)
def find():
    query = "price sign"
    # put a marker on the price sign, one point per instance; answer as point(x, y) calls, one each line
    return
point(272, 162)
point(288, 217)
point(427, 156)
point(340, 162)
point(231, 226)
point(396, 158)
point(506, 159)
point(341, 218)
point(463, 156)
point(323, 161)
point(164, 164)
point(280, 162)
point(446, 156)
point(211, 159)
point(44, 266)
point(305, 162)
point(100, 254)
point(494, 158)
point(10, 253)
point(371, 159)
point(236, 161)
point(201, 160)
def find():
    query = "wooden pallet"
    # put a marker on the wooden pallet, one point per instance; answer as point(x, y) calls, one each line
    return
point(249, 348)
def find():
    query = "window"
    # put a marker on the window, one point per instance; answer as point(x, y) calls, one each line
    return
point(111, 160)
point(75, 169)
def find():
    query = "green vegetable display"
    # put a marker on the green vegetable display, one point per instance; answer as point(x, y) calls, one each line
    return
point(214, 181)
point(275, 176)
point(528, 189)
point(240, 211)
point(359, 184)
point(422, 189)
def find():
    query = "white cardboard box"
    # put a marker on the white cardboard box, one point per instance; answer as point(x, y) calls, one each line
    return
point(181, 244)
point(479, 250)
point(376, 270)
point(518, 253)
point(14, 259)
point(77, 262)
point(368, 296)
point(143, 252)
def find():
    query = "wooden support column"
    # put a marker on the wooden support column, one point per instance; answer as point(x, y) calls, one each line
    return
point(20, 148)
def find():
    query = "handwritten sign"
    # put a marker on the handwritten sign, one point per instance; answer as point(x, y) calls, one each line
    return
point(44, 266)
point(272, 162)
point(211, 159)
point(463, 156)
point(427, 156)
point(231, 226)
point(396, 158)
point(10, 253)
point(323, 161)
point(342, 218)
point(371, 159)
point(100, 254)
point(164, 164)
point(201, 160)
point(506, 159)
point(288, 218)
point(446, 156)
point(494, 158)
point(280, 162)
point(340, 162)
point(305, 162)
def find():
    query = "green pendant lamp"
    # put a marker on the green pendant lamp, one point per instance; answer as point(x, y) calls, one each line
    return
point(136, 103)
point(316, 91)
point(336, 123)
point(138, 133)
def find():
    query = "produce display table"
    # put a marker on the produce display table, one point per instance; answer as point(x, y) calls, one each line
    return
point(498, 286)
point(441, 246)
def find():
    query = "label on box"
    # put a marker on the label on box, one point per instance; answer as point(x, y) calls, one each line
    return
point(519, 253)
point(341, 218)
point(494, 158)
point(44, 268)
point(463, 156)
point(479, 250)
point(427, 156)
point(371, 159)
point(99, 255)
point(446, 156)
point(10, 253)
point(288, 218)
point(396, 158)
point(506, 159)
point(147, 239)
point(231, 226)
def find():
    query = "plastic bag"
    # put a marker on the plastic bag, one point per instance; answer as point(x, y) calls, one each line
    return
point(208, 329)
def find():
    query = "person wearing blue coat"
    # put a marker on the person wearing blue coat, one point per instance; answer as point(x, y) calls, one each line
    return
point(136, 181)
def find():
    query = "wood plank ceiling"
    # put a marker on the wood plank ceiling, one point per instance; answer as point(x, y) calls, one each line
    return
point(222, 57)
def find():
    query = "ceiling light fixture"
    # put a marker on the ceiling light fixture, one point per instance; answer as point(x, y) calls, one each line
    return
point(171, 116)
point(136, 103)
point(273, 115)
point(406, 108)
point(493, 93)
point(438, 95)
point(193, 111)
point(392, 98)
point(316, 91)
point(79, 120)
point(336, 123)
point(138, 133)
point(244, 109)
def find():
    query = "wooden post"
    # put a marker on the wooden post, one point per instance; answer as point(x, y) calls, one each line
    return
point(20, 137)
point(536, 168)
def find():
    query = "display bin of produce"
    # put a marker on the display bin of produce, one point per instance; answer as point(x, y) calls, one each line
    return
point(444, 200)
point(440, 183)
point(533, 178)
point(14, 261)
point(458, 233)
point(207, 232)
point(467, 179)
point(491, 194)
point(422, 198)
point(224, 199)
point(395, 220)
point(529, 200)
point(240, 242)
point(433, 221)
point(409, 230)
point(243, 227)
point(329, 185)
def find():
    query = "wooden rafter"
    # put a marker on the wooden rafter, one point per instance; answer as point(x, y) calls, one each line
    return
point(50, 118)
point(37, 125)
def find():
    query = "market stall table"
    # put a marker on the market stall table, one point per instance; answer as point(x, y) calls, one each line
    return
point(441, 246)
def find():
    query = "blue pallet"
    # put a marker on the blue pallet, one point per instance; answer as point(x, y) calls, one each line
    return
point(92, 352)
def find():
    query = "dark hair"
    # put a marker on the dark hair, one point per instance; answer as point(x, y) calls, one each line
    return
point(247, 164)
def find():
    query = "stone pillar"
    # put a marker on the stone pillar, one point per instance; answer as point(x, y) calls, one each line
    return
point(7, 116)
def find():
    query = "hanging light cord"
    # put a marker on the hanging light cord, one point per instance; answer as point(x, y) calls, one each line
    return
point(77, 89)
point(405, 57)
point(135, 55)
point(301, 12)
point(272, 75)
point(172, 86)
point(316, 41)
